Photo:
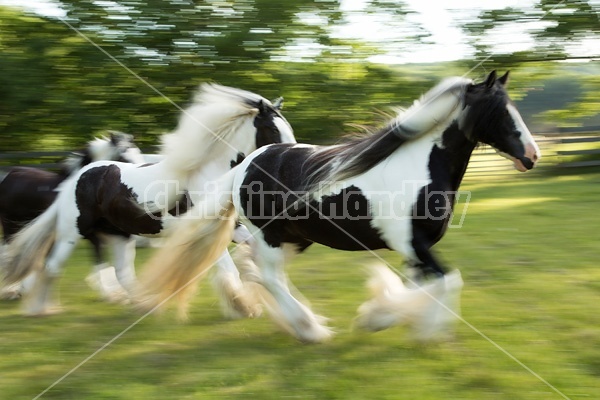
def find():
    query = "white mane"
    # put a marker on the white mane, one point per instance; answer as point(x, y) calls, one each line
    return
point(207, 128)
point(98, 149)
point(104, 148)
point(435, 107)
point(432, 108)
point(72, 163)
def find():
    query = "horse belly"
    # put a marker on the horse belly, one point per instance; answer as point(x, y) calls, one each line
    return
point(349, 235)
point(342, 221)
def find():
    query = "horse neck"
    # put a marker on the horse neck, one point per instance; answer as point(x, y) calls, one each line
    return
point(454, 153)
point(194, 144)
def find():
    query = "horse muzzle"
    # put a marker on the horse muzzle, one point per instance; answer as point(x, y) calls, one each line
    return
point(529, 160)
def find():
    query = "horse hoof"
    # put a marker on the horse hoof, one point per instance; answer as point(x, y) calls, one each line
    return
point(46, 312)
point(317, 334)
point(10, 295)
point(118, 297)
point(309, 330)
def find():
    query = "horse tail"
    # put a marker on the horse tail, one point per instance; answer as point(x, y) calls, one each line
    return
point(195, 242)
point(27, 250)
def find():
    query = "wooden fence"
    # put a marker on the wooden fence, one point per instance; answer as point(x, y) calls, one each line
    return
point(566, 148)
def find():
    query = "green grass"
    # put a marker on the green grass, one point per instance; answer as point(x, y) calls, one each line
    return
point(528, 250)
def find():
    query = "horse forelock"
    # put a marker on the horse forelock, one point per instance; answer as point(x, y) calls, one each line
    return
point(482, 110)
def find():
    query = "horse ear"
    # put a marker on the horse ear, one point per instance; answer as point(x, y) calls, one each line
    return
point(491, 79)
point(504, 78)
point(278, 103)
point(117, 137)
point(262, 107)
point(114, 140)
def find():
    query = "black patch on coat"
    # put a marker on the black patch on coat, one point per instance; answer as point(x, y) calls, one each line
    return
point(266, 130)
point(182, 205)
point(238, 160)
point(433, 209)
point(271, 202)
point(25, 193)
point(106, 205)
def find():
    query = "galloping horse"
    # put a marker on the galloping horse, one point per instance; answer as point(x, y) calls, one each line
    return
point(27, 192)
point(394, 189)
point(117, 199)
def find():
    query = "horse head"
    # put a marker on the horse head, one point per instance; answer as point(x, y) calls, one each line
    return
point(118, 146)
point(490, 117)
point(271, 126)
point(124, 150)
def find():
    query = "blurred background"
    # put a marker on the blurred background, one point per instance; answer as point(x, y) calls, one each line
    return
point(72, 69)
point(335, 62)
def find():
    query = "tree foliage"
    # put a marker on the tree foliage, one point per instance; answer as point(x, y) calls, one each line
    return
point(123, 64)
point(560, 31)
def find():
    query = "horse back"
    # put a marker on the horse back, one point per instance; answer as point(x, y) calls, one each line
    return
point(27, 192)
point(273, 197)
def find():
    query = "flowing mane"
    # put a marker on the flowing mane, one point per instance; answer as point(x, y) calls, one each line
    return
point(206, 128)
point(99, 148)
point(335, 163)
point(74, 162)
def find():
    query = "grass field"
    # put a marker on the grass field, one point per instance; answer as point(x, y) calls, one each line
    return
point(529, 252)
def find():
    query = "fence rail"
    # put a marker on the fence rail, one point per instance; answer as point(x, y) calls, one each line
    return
point(558, 151)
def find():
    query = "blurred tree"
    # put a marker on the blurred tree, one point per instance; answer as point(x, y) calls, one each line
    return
point(559, 31)
point(59, 89)
point(193, 39)
point(76, 90)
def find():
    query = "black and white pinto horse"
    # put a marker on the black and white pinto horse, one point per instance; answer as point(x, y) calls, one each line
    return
point(394, 189)
point(119, 200)
point(26, 192)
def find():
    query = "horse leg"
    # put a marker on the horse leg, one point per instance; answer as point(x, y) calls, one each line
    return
point(285, 309)
point(430, 305)
point(102, 278)
point(39, 300)
point(124, 253)
point(440, 294)
point(234, 281)
point(13, 291)
point(236, 297)
point(241, 235)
